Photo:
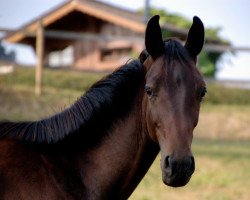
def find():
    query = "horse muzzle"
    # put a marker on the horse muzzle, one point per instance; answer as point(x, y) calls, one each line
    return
point(177, 173)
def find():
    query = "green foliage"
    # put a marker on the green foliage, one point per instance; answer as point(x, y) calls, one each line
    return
point(207, 63)
point(207, 60)
point(170, 18)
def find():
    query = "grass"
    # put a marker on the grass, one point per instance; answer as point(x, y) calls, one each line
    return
point(221, 141)
point(218, 94)
point(60, 89)
point(221, 148)
point(222, 172)
point(53, 79)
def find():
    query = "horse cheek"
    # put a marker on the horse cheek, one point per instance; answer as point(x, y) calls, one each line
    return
point(151, 123)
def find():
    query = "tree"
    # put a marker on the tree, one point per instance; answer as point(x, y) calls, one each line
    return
point(207, 60)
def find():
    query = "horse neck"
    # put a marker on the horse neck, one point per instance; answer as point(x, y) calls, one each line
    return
point(114, 168)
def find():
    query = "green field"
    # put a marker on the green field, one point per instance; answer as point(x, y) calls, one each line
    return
point(221, 141)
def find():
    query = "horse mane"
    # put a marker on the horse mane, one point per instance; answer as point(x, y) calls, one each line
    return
point(92, 114)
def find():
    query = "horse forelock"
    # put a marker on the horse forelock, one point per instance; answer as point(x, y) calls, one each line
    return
point(175, 51)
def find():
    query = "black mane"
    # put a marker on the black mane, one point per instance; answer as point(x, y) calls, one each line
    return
point(93, 113)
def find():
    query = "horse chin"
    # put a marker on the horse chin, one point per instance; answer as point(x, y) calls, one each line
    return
point(175, 181)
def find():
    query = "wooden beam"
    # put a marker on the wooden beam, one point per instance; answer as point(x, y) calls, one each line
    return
point(62, 34)
point(223, 48)
point(40, 58)
point(134, 25)
point(47, 18)
point(90, 36)
point(70, 35)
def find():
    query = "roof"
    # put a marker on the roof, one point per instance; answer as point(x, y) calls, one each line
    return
point(57, 17)
point(109, 13)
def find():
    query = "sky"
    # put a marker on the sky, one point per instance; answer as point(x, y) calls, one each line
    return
point(230, 15)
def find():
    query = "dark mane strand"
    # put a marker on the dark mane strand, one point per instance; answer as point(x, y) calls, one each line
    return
point(95, 112)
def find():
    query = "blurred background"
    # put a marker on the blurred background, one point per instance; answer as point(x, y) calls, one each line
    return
point(52, 51)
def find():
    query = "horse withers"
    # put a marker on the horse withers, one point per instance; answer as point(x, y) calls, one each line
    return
point(103, 144)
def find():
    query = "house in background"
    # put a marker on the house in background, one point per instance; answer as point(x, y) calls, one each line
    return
point(124, 30)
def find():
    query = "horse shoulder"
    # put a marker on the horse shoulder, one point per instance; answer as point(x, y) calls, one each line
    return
point(23, 174)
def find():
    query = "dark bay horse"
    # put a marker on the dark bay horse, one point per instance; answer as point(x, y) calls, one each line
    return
point(102, 145)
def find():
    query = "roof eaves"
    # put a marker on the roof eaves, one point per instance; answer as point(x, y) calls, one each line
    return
point(112, 14)
point(46, 18)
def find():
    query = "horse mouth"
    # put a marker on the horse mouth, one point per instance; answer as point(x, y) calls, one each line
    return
point(177, 173)
point(177, 180)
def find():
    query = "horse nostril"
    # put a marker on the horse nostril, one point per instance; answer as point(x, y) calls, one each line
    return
point(167, 162)
point(168, 166)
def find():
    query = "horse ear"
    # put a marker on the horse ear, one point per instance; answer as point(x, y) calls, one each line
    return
point(195, 38)
point(153, 38)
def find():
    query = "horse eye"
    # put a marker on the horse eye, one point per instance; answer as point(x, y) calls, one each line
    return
point(149, 91)
point(203, 92)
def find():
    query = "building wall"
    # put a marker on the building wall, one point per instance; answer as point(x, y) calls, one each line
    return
point(90, 55)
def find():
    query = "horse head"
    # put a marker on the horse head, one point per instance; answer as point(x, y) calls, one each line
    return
point(174, 89)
